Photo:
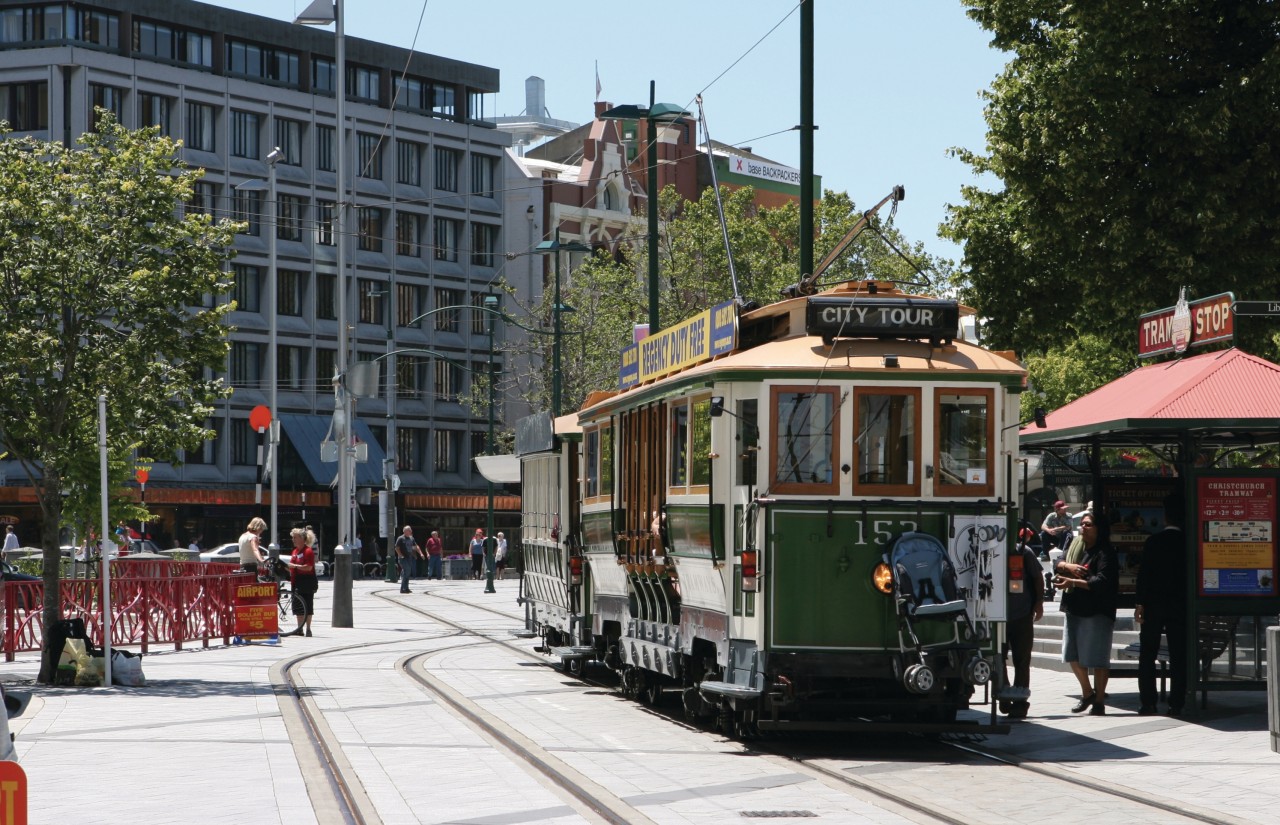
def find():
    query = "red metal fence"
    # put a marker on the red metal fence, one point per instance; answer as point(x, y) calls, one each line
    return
point(152, 602)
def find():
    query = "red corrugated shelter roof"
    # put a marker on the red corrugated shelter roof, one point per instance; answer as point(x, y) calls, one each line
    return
point(1226, 390)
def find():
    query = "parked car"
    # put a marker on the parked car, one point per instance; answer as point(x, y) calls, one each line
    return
point(226, 553)
point(12, 574)
point(143, 546)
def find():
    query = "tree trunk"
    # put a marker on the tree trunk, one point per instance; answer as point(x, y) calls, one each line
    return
point(51, 509)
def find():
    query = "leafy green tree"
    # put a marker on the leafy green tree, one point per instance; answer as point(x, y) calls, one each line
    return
point(1133, 149)
point(1065, 374)
point(610, 295)
point(105, 286)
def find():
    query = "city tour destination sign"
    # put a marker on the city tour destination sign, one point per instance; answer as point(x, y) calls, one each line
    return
point(834, 317)
point(706, 335)
point(1186, 324)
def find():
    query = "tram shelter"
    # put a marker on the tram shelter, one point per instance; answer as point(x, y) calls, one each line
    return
point(1212, 418)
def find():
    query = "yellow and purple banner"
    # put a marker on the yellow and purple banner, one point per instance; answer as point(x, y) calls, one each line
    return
point(710, 333)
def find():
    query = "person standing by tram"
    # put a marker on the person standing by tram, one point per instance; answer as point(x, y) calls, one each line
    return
point(406, 548)
point(1162, 609)
point(1024, 609)
point(477, 554)
point(1088, 579)
point(435, 556)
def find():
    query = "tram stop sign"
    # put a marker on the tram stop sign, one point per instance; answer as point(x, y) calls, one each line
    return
point(142, 475)
point(260, 417)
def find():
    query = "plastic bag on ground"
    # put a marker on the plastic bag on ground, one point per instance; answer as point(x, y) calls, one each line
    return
point(126, 669)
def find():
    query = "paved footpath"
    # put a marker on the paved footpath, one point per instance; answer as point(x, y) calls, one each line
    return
point(206, 741)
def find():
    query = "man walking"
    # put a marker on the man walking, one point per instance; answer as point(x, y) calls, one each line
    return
point(435, 556)
point(406, 549)
point(10, 538)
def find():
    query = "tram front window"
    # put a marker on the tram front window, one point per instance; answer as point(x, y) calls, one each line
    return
point(964, 433)
point(805, 431)
point(888, 440)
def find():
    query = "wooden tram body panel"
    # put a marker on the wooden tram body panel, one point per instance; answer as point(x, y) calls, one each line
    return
point(825, 451)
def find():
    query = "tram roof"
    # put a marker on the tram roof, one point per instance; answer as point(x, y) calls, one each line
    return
point(1224, 398)
point(789, 350)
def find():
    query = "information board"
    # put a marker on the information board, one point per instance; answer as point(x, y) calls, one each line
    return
point(1135, 512)
point(1235, 531)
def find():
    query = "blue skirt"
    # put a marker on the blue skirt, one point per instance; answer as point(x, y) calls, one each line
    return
point(1087, 640)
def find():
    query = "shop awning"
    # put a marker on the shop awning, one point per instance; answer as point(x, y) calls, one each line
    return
point(1222, 398)
point(305, 432)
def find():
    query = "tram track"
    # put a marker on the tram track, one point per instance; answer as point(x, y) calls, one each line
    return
point(1181, 811)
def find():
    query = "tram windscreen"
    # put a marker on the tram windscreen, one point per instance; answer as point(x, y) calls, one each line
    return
point(886, 440)
point(804, 441)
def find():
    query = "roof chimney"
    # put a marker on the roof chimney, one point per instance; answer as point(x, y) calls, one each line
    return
point(535, 97)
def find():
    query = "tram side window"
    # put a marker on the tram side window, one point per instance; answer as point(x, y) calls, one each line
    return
point(805, 434)
point(591, 464)
point(747, 440)
point(887, 446)
point(606, 461)
point(964, 440)
point(690, 445)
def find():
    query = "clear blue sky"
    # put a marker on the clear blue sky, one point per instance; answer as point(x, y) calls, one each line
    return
point(897, 83)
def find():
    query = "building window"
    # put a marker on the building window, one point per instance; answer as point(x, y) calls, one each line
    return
point(484, 243)
point(244, 442)
point(409, 449)
point(167, 43)
point(479, 444)
point(98, 27)
point(362, 83)
point(247, 290)
point(204, 198)
point(252, 60)
point(289, 141)
point(326, 366)
point(324, 75)
point(442, 101)
point(326, 297)
point(207, 452)
point(246, 364)
point(410, 370)
point(446, 235)
point(372, 298)
point(408, 232)
point(325, 214)
point(248, 208)
point(483, 170)
point(32, 25)
point(409, 162)
point(154, 111)
point(244, 135)
point(446, 452)
point(200, 127)
point(411, 93)
point(25, 106)
point(370, 228)
point(324, 149)
point(289, 368)
point(106, 97)
point(447, 320)
point(369, 148)
point(446, 169)
point(289, 283)
point(290, 212)
point(410, 303)
point(448, 380)
point(478, 315)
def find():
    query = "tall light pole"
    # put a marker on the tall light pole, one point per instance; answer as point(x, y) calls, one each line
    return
point(322, 13)
point(653, 115)
point(558, 307)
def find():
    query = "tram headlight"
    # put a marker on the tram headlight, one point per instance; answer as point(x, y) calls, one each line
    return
point(882, 578)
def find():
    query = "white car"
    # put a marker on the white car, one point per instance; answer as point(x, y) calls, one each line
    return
point(225, 553)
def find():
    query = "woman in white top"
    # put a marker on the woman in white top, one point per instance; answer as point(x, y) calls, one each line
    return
point(500, 556)
point(251, 553)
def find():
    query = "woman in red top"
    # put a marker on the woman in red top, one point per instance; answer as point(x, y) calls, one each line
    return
point(302, 570)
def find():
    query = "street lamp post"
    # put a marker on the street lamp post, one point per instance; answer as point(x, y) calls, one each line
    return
point(654, 114)
point(558, 307)
point(322, 13)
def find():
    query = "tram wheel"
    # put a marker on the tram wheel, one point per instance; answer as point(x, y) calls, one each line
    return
point(575, 666)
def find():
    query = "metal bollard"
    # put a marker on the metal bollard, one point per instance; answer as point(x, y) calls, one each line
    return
point(341, 587)
point(1273, 686)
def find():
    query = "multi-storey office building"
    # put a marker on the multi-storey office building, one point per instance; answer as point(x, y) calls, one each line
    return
point(425, 234)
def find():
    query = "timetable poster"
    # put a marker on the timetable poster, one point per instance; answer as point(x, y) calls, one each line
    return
point(1237, 529)
point(1135, 512)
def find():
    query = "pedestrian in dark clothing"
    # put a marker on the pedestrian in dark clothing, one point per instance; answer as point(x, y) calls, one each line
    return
point(1162, 609)
point(406, 549)
point(1025, 607)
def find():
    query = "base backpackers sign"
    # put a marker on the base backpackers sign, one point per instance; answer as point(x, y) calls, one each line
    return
point(1188, 324)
